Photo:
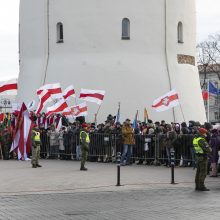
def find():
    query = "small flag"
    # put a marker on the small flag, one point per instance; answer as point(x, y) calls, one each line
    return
point(69, 91)
point(135, 122)
point(212, 89)
point(9, 87)
point(57, 107)
point(96, 96)
point(167, 101)
point(205, 95)
point(77, 110)
point(146, 117)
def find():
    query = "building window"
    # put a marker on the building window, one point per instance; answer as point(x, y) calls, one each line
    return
point(180, 32)
point(216, 115)
point(125, 29)
point(59, 32)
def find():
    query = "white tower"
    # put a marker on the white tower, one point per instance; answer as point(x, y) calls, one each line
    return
point(135, 50)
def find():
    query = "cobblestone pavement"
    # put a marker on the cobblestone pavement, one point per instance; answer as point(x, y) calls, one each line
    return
point(60, 191)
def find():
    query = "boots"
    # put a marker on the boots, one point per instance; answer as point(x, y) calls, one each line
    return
point(83, 169)
point(38, 165)
point(34, 166)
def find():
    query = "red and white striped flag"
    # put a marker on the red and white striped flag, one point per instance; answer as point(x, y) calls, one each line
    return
point(92, 95)
point(53, 89)
point(57, 107)
point(77, 110)
point(22, 134)
point(167, 101)
point(44, 99)
point(69, 91)
point(9, 87)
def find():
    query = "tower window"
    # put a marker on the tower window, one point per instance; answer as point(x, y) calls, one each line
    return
point(125, 29)
point(180, 32)
point(59, 32)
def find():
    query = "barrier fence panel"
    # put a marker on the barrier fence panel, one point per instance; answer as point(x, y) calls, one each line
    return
point(148, 149)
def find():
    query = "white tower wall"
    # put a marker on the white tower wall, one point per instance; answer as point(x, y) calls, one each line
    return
point(93, 56)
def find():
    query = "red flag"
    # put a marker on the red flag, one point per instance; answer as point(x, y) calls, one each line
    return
point(69, 91)
point(9, 87)
point(22, 133)
point(57, 107)
point(205, 95)
point(96, 96)
point(167, 101)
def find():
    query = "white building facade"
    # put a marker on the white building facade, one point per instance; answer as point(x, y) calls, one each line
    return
point(135, 50)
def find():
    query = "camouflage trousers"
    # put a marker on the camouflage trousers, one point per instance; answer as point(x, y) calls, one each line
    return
point(202, 164)
point(35, 155)
point(84, 155)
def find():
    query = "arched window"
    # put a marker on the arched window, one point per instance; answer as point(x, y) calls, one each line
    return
point(180, 32)
point(125, 29)
point(59, 32)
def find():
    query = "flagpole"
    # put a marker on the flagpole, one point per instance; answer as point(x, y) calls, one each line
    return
point(182, 112)
point(96, 114)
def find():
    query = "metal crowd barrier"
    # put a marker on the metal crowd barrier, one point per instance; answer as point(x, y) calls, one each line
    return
point(148, 149)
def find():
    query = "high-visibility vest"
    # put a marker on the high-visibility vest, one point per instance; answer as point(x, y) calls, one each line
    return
point(197, 148)
point(87, 137)
point(36, 136)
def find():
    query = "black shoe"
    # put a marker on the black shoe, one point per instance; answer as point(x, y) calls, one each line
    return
point(34, 166)
point(83, 169)
point(38, 165)
point(204, 189)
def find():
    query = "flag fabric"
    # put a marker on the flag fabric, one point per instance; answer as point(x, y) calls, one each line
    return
point(44, 97)
point(167, 101)
point(53, 89)
point(77, 110)
point(22, 134)
point(57, 107)
point(135, 122)
point(59, 125)
point(212, 89)
point(69, 91)
point(117, 119)
point(205, 95)
point(96, 96)
point(146, 117)
point(9, 87)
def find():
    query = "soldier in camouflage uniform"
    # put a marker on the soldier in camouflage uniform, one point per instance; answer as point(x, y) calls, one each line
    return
point(6, 141)
point(202, 149)
point(36, 142)
point(84, 140)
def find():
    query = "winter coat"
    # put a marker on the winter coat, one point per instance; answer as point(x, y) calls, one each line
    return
point(215, 145)
point(128, 135)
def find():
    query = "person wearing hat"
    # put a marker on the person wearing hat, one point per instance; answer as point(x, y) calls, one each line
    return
point(128, 142)
point(202, 150)
point(36, 142)
point(84, 140)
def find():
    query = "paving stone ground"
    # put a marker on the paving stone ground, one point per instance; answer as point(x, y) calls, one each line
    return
point(59, 190)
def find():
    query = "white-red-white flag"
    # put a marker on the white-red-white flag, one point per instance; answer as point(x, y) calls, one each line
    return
point(167, 101)
point(22, 134)
point(57, 107)
point(44, 99)
point(69, 91)
point(53, 89)
point(77, 110)
point(9, 87)
point(92, 95)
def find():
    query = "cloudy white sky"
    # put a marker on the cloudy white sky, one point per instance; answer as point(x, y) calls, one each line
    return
point(208, 18)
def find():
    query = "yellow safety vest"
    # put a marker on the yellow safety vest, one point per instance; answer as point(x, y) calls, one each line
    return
point(36, 136)
point(197, 148)
point(87, 137)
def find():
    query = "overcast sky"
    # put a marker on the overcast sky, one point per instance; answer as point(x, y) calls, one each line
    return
point(208, 19)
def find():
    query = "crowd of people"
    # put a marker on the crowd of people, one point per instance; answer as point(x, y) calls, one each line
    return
point(141, 142)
